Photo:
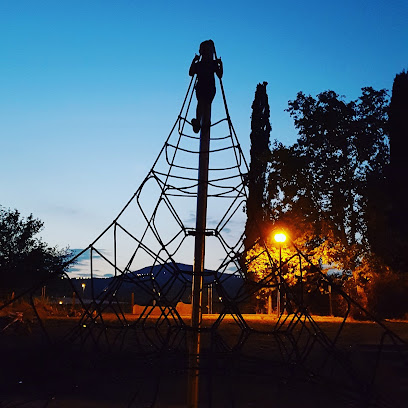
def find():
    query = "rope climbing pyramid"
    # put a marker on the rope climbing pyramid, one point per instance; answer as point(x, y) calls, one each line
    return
point(156, 232)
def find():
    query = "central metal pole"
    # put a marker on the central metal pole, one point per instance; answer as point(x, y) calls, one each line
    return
point(199, 255)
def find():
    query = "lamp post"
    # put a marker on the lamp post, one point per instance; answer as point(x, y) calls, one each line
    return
point(83, 288)
point(280, 238)
point(301, 281)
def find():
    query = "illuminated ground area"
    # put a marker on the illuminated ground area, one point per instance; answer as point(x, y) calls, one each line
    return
point(35, 374)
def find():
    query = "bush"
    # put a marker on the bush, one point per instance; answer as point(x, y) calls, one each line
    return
point(387, 296)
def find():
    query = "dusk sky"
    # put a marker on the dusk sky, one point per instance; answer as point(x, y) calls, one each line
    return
point(91, 89)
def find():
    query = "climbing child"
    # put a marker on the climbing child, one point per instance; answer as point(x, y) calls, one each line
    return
point(205, 86)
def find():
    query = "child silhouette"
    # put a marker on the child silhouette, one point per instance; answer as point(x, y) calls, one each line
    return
point(205, 86)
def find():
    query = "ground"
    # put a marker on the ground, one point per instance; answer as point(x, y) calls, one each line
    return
point(270, 365)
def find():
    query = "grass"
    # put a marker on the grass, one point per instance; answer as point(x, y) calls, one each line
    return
point(68, 374)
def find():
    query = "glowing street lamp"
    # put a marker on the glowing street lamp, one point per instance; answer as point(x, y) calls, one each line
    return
point(280, 238)
point(83, 288)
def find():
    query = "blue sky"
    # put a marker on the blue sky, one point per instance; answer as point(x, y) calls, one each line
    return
point(89, 90)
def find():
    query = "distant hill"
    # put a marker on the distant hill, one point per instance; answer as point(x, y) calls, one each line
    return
point(173, 279)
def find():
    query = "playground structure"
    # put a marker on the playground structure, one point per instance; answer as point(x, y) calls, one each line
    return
point(188, 210)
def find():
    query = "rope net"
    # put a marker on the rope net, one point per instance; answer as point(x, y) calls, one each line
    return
point(135, 354)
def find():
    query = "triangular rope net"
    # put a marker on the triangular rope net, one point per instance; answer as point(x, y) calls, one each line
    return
point(148, 250)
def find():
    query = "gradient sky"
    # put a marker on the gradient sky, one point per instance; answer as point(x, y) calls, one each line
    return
point(90, 89)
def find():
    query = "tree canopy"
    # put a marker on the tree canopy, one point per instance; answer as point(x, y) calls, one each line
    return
point(398, 175)
point(321, 186)
point(24, 258)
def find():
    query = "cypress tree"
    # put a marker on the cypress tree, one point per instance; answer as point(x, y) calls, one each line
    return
point(260, 134)
point(398, 174)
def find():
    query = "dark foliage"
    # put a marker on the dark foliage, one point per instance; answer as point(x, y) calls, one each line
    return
point(260, 154)
point(24, 258)
point(324, 184)
point(398, 174)
point(387, 296)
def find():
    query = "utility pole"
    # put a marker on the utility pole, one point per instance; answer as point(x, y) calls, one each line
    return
point(210, 298)
point(330, 300)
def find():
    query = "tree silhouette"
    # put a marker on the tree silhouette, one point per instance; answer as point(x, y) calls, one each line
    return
point(320, 184)
point(398, 174)
point(24, 258)
point(260, 133)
